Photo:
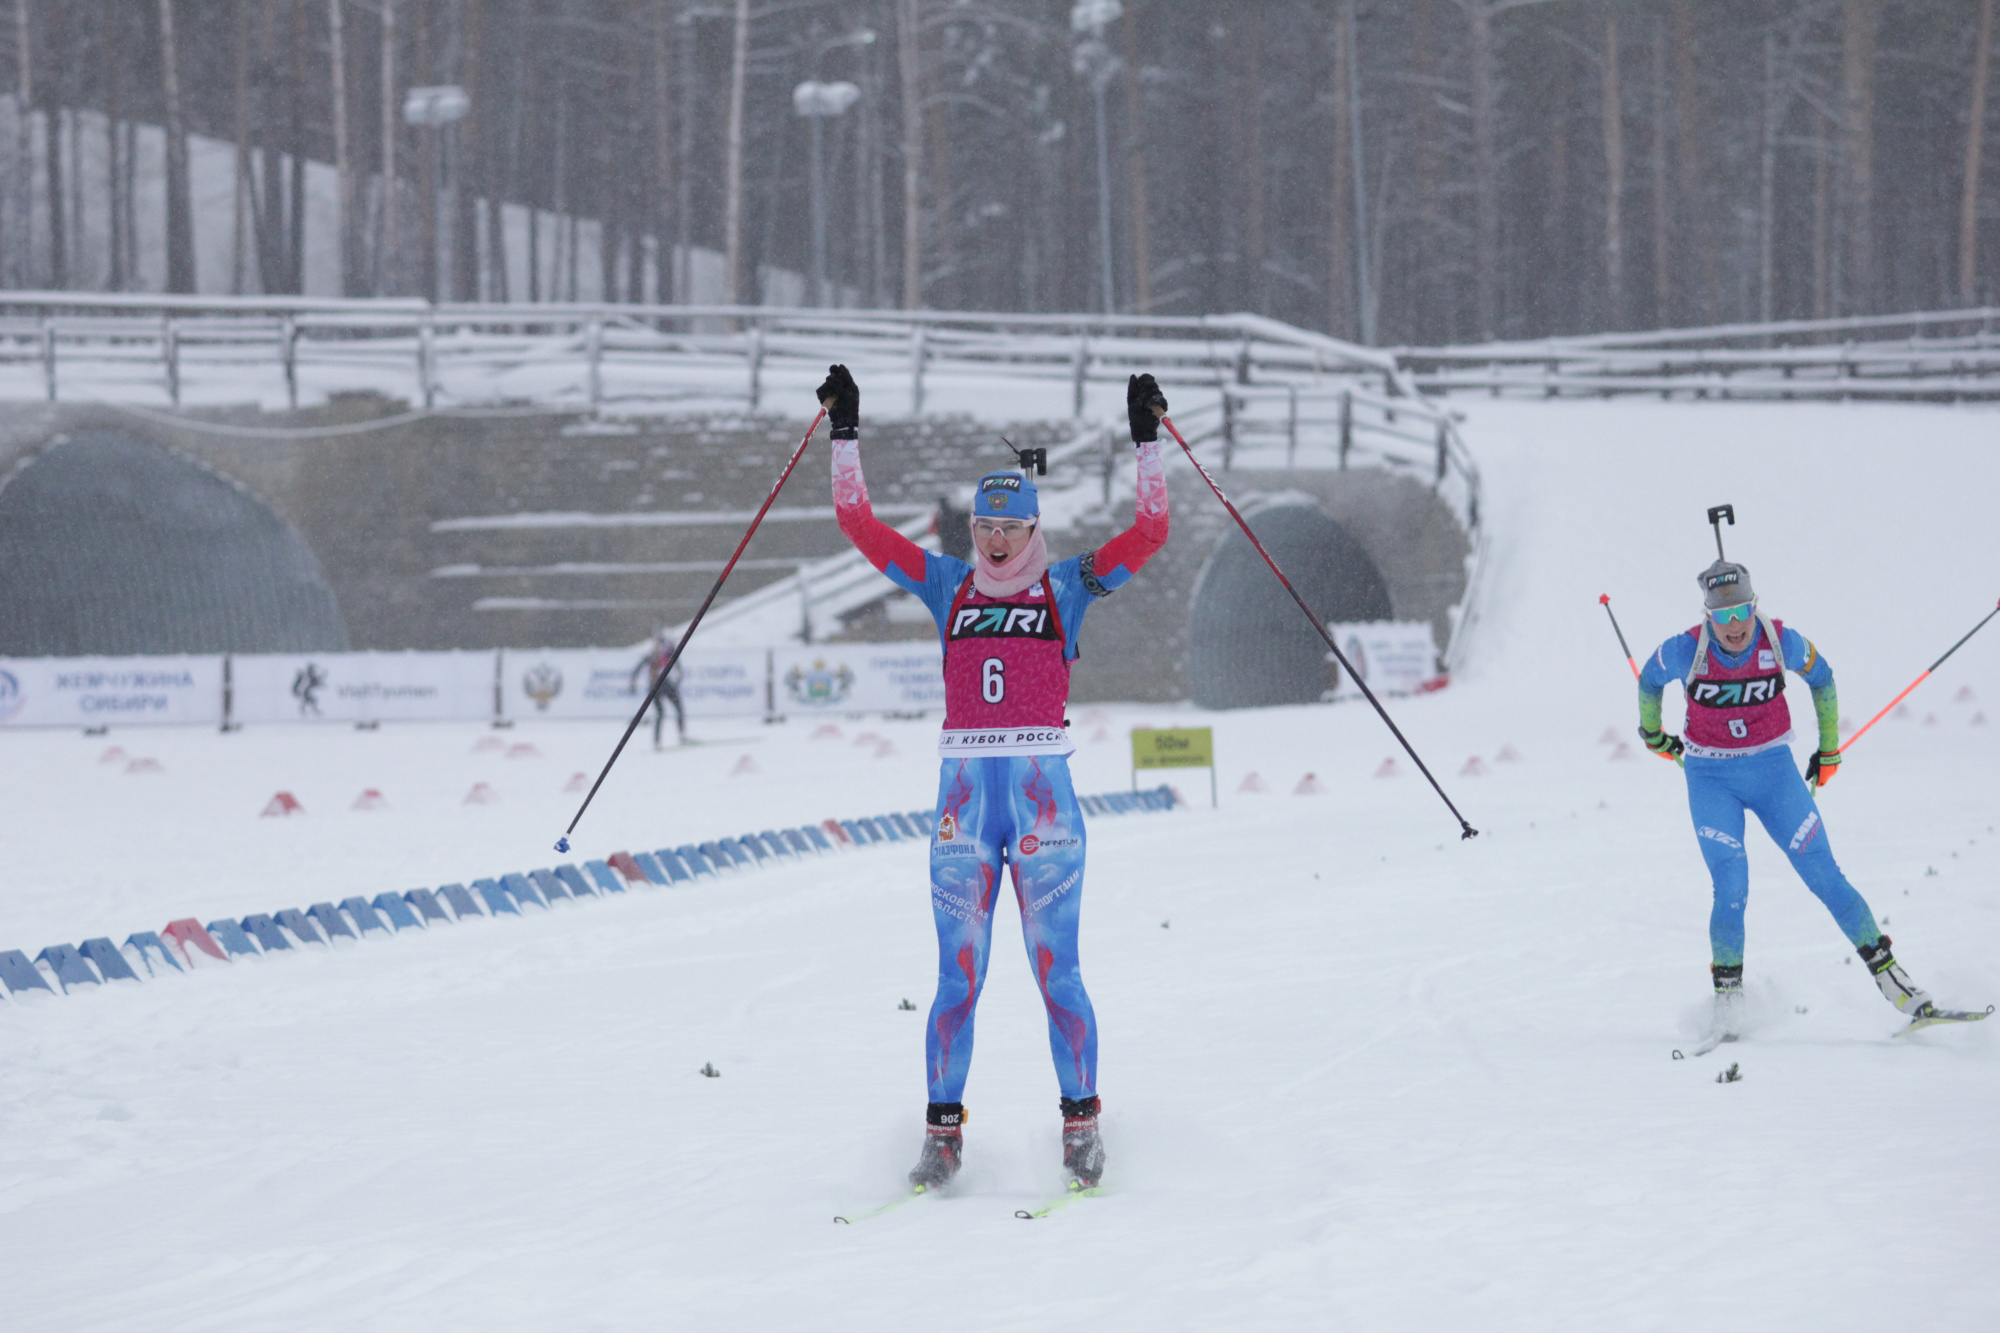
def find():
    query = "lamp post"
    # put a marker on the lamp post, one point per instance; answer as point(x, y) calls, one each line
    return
point(818, 102)
point(1094, 61)
point(432, 109)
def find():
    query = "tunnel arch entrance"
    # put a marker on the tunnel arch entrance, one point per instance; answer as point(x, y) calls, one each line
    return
point(112, 545)
point(1248, 645)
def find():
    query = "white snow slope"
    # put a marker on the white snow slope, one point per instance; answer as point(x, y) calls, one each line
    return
point(1357, 1074)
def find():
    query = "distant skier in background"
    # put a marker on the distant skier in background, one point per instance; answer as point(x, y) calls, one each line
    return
point(1737, 756)
point(1009, 621)
point(652, 664)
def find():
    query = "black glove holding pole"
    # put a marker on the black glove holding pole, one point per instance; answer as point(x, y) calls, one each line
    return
point(1144, 406)
point(841, 397)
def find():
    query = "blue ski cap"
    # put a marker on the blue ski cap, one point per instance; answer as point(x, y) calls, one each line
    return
point(1006, 495)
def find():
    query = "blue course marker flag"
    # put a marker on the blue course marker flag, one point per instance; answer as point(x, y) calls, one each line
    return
point(148, 943)
point(546, 882)
point(329, 919)
point(460, 900)
point(691, 856)
point(299, 924)
point(736, 852)
point(364, 916)
point(21, 975)
point(69, 966)
point(814, 836)
point(235, 940)
point(524, 893)
point(676, 868)
point(396, 910)
point(427, 905)
point(755, 844)
point(796, 841)
point(110, 964)
point(607, 878)
point(776, 843)
point(574, 881)
point(261, 928)
point(716, 856)
point(498, 900)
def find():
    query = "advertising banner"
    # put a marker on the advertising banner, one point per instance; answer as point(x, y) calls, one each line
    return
point(858, 678)
point(1393, 656)
point(725, 682)
point(362, 687)
point(610, 682)
point(102, 691)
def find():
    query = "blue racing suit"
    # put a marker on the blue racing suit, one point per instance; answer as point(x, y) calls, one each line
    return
point(1763, 779)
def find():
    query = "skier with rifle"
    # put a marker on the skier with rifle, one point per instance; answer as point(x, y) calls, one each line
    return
point(1737, 756)
point(1009, 622)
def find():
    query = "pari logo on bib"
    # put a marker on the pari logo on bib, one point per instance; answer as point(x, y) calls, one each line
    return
point(1004, 620)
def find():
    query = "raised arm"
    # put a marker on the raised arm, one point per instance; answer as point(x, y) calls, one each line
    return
point(1119, 559)
point(895, 555)
point(1114, 563)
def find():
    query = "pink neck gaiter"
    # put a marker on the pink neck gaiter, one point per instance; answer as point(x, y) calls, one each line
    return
point(1027, 567)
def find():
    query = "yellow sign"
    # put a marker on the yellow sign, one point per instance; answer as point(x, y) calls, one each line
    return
point(1184, 747)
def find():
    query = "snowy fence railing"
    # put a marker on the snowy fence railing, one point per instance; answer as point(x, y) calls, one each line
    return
point(1946, 355)
point(163, 342)
point(1259, 384)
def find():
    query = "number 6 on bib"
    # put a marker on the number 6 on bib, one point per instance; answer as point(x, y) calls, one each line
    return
point(993, 680)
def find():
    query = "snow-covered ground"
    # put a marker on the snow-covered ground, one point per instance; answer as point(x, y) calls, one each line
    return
point(1356, 1072)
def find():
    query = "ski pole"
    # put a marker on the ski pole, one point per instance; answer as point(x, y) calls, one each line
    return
point(1918, 681)
point(1605, 602)
point(562, 843)
point(1466, 829)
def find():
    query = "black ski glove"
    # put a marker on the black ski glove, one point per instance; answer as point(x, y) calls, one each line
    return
point(841, 397)
point(1142, 400)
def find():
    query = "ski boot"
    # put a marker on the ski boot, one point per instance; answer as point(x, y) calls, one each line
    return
point(1894, 983)
point(1083, 1150)
point(1727, 1023)
point(944, 1146)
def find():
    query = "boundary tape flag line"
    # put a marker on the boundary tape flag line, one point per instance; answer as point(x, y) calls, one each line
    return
point(182, 945)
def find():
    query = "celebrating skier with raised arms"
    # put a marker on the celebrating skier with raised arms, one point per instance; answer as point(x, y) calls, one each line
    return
point(1737, 756)
point(1009, 622)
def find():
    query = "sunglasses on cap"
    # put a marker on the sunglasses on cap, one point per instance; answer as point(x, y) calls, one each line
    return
point(1732, 615)
point(1009, 528)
